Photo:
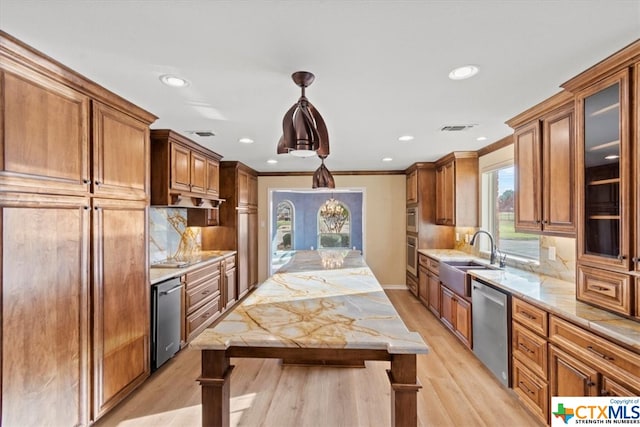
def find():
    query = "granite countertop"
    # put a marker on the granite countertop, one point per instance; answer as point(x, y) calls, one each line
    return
point(320, 299)
point(554, 295)
point(202, 258)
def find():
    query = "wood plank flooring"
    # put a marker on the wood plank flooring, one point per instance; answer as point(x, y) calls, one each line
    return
point(457, 389)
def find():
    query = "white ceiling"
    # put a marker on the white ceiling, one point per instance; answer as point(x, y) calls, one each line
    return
point(381, 66)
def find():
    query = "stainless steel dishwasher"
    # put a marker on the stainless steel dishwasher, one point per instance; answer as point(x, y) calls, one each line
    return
point(166, 300)
point(491, 314)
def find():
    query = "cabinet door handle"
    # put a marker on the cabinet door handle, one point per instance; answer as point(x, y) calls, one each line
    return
point(527, 315)
point(524, 347)
point(604, 392)
point(597, 353)
point(590, 383)
point(545, 222)
point(86, 181)
point(635, 259)
point(622, 257)
point(98, 183)
point(524, 386)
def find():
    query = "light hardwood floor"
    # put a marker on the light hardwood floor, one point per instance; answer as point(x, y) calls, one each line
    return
point(457, 389)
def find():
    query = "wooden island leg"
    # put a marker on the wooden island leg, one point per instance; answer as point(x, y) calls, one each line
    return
point(404, 390)
point(215, 382)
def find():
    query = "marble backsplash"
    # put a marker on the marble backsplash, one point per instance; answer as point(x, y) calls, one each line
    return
point(169, 236)
point(563, 267)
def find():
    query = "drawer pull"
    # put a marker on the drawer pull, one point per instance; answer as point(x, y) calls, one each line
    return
point(527, 315)
point(205, 292)
point(599, 288)
point(525, 348)
point(525, 388)
point(206, 315)
point(597, 353)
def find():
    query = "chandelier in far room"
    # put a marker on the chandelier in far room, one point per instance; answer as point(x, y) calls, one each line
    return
point(304, 132)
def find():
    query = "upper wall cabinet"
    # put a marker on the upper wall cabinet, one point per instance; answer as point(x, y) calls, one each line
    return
point(183, 173)
point(457, 189)
point(545, 167)
point(608, 189)
point(120, 147)
point(412, 187)
point(40, 152)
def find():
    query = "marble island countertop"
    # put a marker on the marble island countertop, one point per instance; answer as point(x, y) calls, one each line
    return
point(158, 274)
point(554, 295)
point(320, 299)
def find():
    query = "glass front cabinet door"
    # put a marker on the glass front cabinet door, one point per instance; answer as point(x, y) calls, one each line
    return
point(603, 159)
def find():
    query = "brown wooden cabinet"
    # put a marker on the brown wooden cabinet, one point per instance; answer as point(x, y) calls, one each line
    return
point(412, 284)
point(228, 285)
point(529, 351)
point(120, 300)
point(45, 309)
point(434, 293)
point(421, 199)
point(239, 222)
point(580, 361)
point(545, 167)
point(570, 377)
point(183, 173)
point(42, 152)
point(412, 187)
point(202, 298)
point(457, 189)
point(423, 284)
point(63, 136)
point(120, 154)
point(455, 313)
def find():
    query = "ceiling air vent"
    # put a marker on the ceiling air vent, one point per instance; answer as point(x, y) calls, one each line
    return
point(455, 128)
point(204, 133)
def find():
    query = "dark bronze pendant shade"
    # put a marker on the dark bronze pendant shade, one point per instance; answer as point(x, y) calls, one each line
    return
point(322, 178)
point(304, 132)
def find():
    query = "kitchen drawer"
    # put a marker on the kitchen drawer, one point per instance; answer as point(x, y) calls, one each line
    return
point(612, 388)
point(605, 289)
point(229, 262)
point(532, 390)
point(612, 359)
point(412, 284)
point(196, 276)
point(530, 349)
point(202, 318)
point(531, 316)
point(205, 274)
point(195, 296)
point(433, 266)
point(423, 260)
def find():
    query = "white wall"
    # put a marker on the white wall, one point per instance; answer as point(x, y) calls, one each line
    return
point(383, 217)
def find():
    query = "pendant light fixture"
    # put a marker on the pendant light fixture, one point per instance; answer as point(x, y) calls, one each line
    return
point(304, 132)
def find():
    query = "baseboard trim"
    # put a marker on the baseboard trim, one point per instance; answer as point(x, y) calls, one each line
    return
point(394, 287)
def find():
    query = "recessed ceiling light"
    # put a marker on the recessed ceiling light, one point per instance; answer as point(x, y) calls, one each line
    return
point(387, 159)
point(463, 72)
point(481, 138)
point(612, 157)
point(173, 81)
point(272, 161)
point(246, 140)
point(405, 138)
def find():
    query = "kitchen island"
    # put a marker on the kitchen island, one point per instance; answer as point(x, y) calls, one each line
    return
point(324, 307)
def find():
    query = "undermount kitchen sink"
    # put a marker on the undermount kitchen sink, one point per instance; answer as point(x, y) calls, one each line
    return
point(453, 274)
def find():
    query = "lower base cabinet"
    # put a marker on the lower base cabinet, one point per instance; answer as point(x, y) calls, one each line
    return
point(570, 377)
point(412, 284)
point(532, 390)
point(455, 313)
point(202, 299)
